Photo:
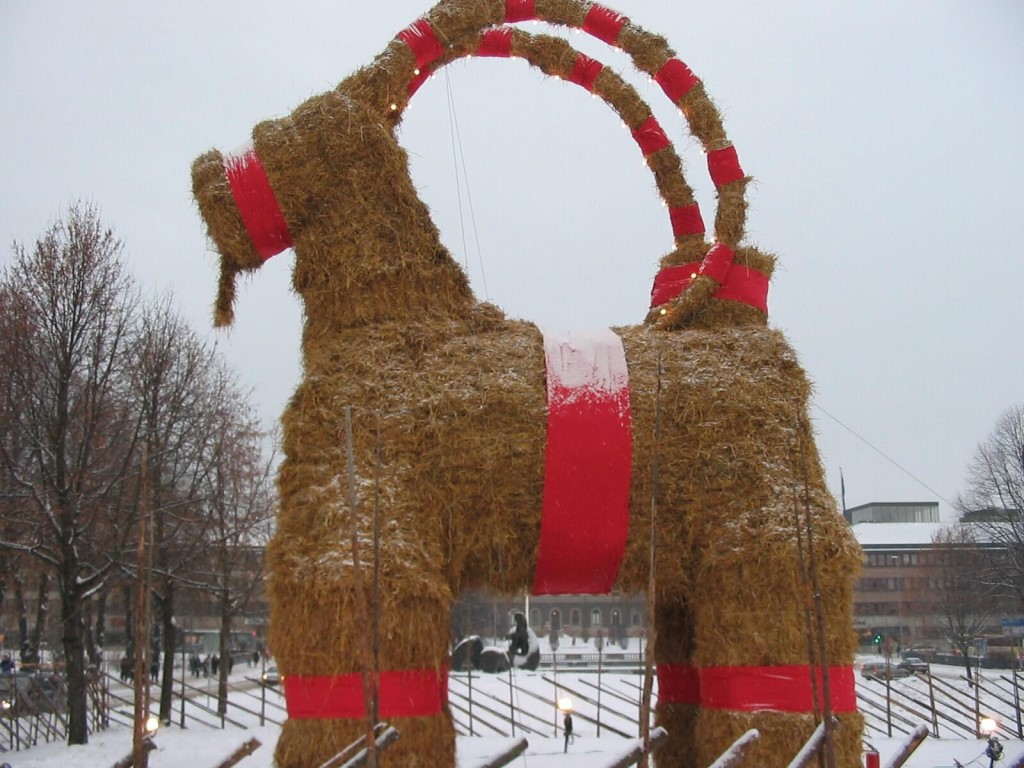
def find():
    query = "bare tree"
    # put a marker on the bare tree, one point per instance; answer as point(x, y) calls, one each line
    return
point(239, 509)
point(994, 497)
point(67, 309)
point(965, 598)
point(173, 376)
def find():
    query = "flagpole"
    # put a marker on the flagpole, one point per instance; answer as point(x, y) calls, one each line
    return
point(842, 492)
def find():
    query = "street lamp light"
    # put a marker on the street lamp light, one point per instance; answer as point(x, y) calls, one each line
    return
point(565, 707)
point(994, 748)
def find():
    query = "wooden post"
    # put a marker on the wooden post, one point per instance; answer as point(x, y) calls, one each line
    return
point(737, 752)
point(906, 749)
point(241, 753)
point(147, 746)
point(387, 736)
point(652, 633)
point(507, 756)
point(828, 722)
point(641, 752)
point(140, 714)
point(813, 746)
point(362, 614)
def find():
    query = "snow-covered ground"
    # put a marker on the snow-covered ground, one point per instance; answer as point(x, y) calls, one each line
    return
point(200, 746)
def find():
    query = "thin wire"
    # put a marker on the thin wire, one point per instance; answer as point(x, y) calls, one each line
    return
point(457, 158)
point(885, 456)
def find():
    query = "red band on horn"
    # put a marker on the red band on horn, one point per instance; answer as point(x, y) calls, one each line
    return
point(742, 284)
point(604, 23)
point(417, 81)
point(403, 693)
point(716, 263)
point(686, 220)
point(422, 41)
point(585, 71)
point(588, 464)
point(519, 10)
point(257, 205)
point(496, 42)
point(676, 79)
point(651, 137)
point(724, 166)
point(785, 688)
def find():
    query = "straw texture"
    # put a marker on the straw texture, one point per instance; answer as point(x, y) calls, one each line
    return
point(449, 420)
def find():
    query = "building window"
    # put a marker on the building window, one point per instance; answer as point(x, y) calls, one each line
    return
point(534, 617)
point(595, 617)
point(635, 619)
point(616, 617)
point(574, 617)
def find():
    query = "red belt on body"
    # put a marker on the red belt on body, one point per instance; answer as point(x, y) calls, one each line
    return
point(588, 464)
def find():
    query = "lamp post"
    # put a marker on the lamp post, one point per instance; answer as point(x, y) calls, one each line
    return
point(899, 607)
point(565, 707)
point(994, 747)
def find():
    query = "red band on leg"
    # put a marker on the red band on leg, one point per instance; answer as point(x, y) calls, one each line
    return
point(785, 688)
point(403, 693)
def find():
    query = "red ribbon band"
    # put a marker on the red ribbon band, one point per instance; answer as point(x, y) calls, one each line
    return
point(257, 205)
point(585, 71)
point(417, 81)
point(651, 137)
point(676, 79)
point(519, 10)
point(422, 41)
point(604, 23)
point(496, 42)
point(724, 166)
point(742, 284)
point(686, 220)
point(717, 262)
point(588, 464)
point(402, 693)
point(784, 688)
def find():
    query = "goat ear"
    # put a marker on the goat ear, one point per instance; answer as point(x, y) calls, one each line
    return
point(224, 225)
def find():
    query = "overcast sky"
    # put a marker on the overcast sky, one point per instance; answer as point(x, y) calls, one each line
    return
point(885, 138)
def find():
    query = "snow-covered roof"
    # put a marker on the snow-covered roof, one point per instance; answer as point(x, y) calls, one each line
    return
point(922, 534)
point(896, 534)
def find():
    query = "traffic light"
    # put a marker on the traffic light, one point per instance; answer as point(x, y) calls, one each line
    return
point(878, 638)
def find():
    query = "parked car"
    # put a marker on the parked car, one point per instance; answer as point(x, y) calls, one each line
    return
point(914, 664)
point(271, 676)
point(921, 652)
point(879, 669)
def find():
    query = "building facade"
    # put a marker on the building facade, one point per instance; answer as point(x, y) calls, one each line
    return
point(902, 596)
